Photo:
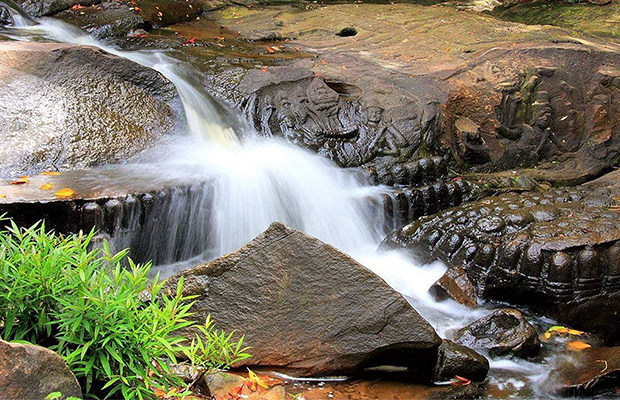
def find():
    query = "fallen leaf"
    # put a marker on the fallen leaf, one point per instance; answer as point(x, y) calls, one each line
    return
point(577, 345)
point(270, 50)
point(50, 173)
point(546, 336)
point(324, 61)
point(258, 380)
point(219, 38)
point(2, 196)
point(462, 381)
point(47, 186)
point(65, 193)
point(191, 41)
point(264, 69)
point(22, 180)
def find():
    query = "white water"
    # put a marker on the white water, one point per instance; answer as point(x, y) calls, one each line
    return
point(261, 181)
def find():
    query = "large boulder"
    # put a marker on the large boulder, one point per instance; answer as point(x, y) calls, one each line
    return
point(65, 106)
point(308, 309)
point(33, 372)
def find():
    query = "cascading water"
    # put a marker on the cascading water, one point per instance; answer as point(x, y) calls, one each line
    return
point(243, 187)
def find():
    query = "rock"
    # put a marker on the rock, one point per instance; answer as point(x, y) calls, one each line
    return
point(40, 8)
point(587, 372)
point(504, 332)
point(455, 285)
point(308, 309)
point(556, 251)
point(484, 105)
point(114, 19)
point(64, 106)
point(218, 384)
point(454, 359)
point(33, 372)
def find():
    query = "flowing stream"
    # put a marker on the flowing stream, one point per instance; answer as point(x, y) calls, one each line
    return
point(257, 181)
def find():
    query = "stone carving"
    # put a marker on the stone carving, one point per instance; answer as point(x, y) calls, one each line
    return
point(304, 110)
point(558, 251)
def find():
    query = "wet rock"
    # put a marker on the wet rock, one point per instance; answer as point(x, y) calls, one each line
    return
point(308, 309)
point(65, 107)
point(504, 332)
point(587, 372)
point(40, 8)
point(555, 250)
point(455, 285)
point(114, 19)
point(33, 372)
point(454, 359)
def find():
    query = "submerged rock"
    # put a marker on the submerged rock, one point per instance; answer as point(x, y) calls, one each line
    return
point(32, 372)
point(308, 309)
point(455, 359)
point(504, 332)
point(64, 106)
point(587, 372)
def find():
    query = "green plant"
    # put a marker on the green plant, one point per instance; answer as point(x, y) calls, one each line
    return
point(116, 328)
point(213, 349)
point(111, 331)
point(32, 265)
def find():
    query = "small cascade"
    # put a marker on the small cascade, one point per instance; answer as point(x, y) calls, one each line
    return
point(17, 16)
point(241, 188)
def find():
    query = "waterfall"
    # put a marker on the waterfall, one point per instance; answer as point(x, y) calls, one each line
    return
point(244, 186)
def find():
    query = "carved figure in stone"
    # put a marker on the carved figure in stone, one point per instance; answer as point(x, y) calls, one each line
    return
point(324, 106)
point(533, 139)
point(312, 135)
point(266, 111)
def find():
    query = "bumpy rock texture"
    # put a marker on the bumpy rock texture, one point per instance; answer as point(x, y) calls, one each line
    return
point(587, 372)
point(67, 106)
point(557, 251)
point(503, 332)
point(308, 309)
point(33, 372)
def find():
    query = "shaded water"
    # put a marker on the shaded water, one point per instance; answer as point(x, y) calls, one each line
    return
point(247, 185)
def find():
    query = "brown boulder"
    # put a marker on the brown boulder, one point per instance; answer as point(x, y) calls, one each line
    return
point(64, 106)
point(32, 372)
point(308, 309)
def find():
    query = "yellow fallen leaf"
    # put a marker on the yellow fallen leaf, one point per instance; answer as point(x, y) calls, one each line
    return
point(47, 186)
point(65, 193)
point(577, 345)
point(259, 381)
point(574, 332)
point(50, 173)
point(22, 180)
point(2, 196)
point(546, 336)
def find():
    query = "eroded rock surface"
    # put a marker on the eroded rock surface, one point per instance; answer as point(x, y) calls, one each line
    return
point(32, 372)
point(309, 309)
point(64, 107)
point(457, 360)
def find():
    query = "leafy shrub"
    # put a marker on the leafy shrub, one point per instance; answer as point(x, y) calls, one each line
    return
point(113, 325)
point(217, 350)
